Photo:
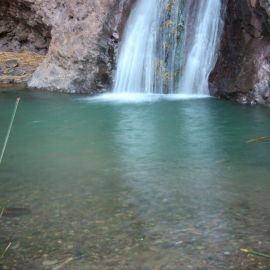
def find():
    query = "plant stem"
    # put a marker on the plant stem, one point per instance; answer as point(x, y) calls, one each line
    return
point(6, 249)
point(9, 129)
point(256, 253)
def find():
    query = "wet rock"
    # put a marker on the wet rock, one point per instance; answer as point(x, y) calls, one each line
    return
point(168, 245)
point(242, 71)
point(15, 212)
point(11, 63)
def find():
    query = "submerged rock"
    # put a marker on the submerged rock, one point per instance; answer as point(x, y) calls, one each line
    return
point(11, 63)
point(15, 212)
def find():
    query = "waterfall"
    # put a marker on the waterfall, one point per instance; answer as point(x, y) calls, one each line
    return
point(169, 46)
point(148, 61)
point(202, 35)
point(135, 71)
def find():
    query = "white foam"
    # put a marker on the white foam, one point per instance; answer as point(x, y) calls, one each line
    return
point(140, 98)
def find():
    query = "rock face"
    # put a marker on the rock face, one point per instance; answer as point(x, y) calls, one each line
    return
point(22, 27)
point(83, 36)
point(243, 68)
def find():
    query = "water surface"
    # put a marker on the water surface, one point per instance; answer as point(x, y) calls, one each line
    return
point(154, 184)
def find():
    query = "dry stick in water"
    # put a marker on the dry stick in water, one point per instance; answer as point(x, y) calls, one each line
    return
point(259, 140)
point(68, 260)
point(1, 158)
point(9, 129)
point(2, 212)
point(6, 249)
point(256, 253)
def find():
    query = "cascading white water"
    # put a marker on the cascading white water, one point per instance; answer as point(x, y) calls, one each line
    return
point(148, 60)
point(152, 58)
point(135, 68)
point(203, 30)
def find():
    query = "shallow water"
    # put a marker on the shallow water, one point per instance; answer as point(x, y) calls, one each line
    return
point(154, 184)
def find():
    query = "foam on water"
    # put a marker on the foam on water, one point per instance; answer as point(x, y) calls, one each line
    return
point(140, 98)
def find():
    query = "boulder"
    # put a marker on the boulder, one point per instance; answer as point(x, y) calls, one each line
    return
point(79, 38)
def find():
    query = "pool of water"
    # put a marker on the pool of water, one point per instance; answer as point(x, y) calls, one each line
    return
point(113, 184)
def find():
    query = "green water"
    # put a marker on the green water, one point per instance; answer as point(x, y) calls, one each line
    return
point(168, 184)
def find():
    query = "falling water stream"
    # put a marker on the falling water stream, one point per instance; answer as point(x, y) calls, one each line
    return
point(148, 56)
point(202, 39)
point(169, 47)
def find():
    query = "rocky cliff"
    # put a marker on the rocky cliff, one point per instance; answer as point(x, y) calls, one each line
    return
point(243, 68)
point(79, 38)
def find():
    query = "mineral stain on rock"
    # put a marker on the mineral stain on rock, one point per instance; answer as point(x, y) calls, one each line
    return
point(18, 67)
